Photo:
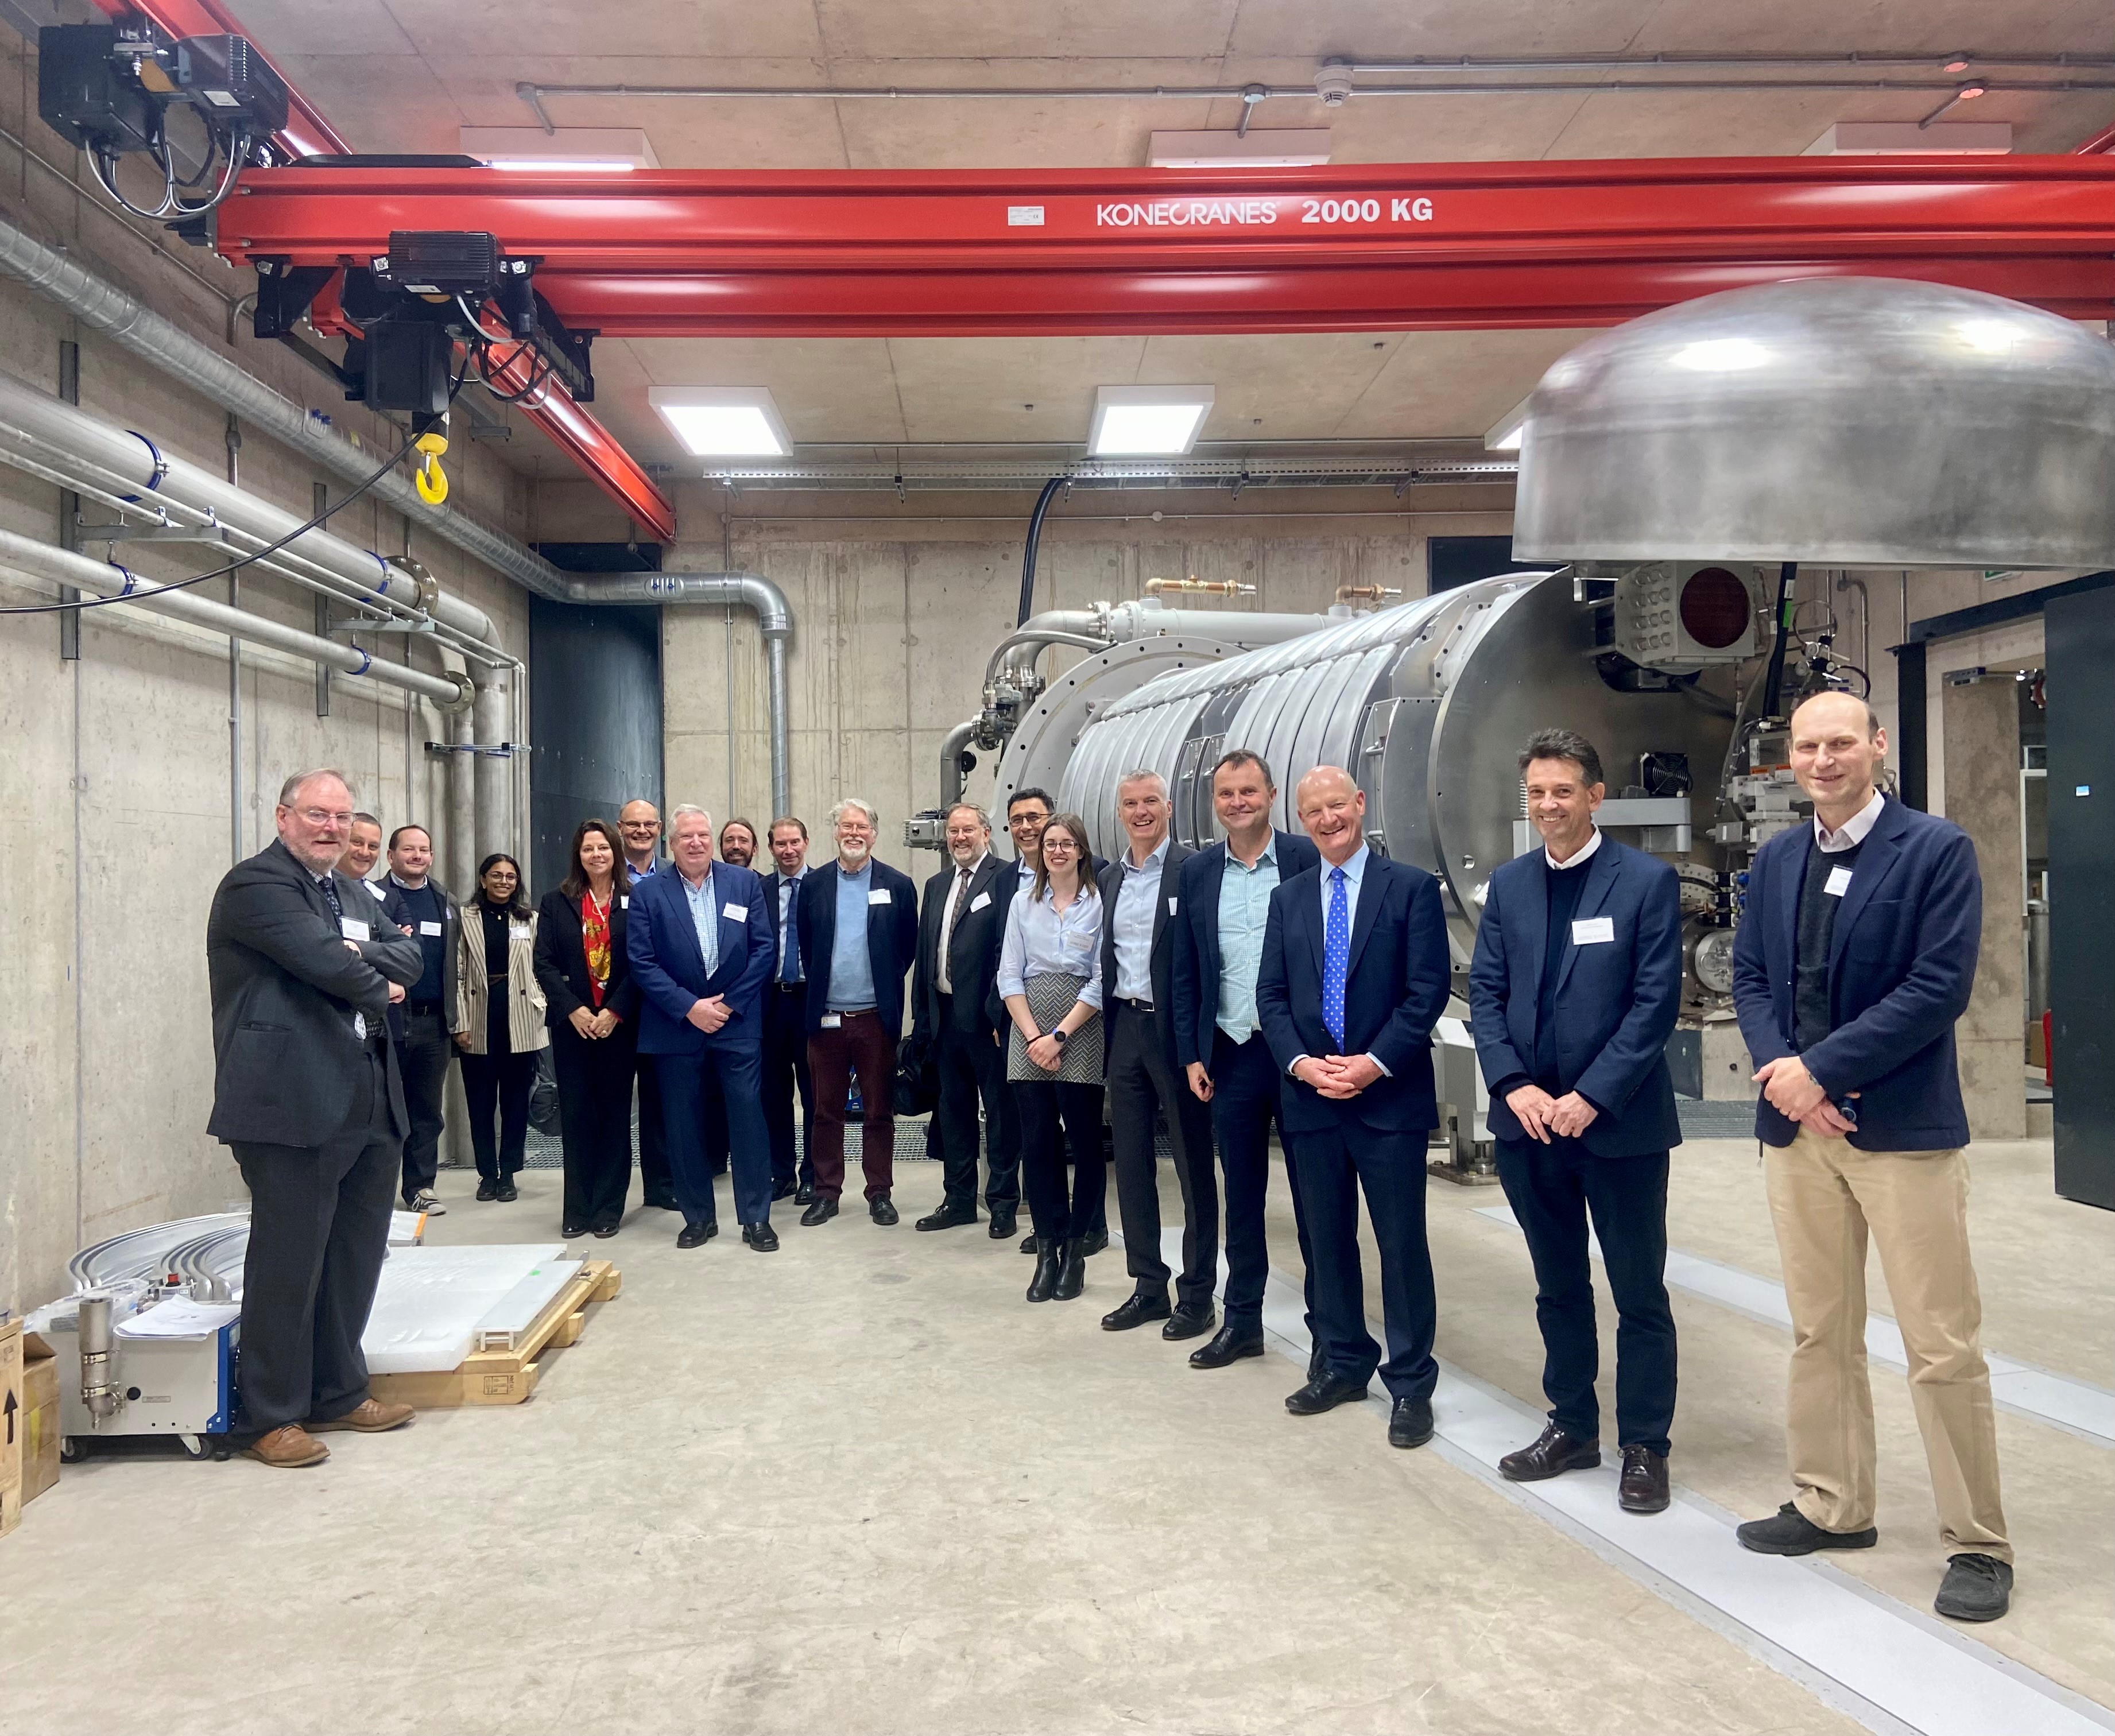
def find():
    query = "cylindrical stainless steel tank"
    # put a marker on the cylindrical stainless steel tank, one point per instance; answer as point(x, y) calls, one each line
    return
point(1842, 421)
point(1426, 704)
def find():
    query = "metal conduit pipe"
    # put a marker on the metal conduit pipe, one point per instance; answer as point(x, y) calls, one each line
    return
point(61, 566)
point(491, 712)
point(950, 762)
point(134, 327)
point(156, 471)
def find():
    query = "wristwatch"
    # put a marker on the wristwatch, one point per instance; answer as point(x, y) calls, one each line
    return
point(1057, 1036)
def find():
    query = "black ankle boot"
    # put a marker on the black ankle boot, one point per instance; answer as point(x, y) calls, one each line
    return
point(1072, 1274)
point(1044, 1285)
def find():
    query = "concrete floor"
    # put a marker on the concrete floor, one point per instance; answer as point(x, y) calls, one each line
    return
point(860, 1485)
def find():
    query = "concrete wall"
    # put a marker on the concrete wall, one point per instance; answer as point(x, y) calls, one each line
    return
point(1982, 735)
point(115, 774)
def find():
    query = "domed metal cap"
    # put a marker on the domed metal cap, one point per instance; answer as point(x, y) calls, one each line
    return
point(1843, 421)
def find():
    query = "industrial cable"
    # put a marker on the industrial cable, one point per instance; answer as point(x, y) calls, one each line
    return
point(130, 595)
point(1035, 541)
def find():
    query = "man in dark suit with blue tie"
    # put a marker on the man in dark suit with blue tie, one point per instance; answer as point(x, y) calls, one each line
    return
point(701, 950)
point(786, 1019)
point(1224, 906)
point(1355, 974)
point(1572, 995)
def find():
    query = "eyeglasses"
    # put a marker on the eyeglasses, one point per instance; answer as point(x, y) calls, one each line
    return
point(1062, 845)
point(1026, 819)
point(326, 816)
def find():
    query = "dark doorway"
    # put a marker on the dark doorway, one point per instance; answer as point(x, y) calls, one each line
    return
point(594, 714)
point(1453, 560)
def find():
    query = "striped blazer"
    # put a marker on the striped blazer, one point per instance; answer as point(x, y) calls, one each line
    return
point(525, 1027)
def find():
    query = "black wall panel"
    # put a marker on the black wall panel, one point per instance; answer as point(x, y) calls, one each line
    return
point(594, 720)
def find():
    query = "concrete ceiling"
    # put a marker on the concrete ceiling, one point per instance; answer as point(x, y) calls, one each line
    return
point(404, 75)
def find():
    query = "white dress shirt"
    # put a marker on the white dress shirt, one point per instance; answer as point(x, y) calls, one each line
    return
point(1853, 830)
point(1138, 902)
point(1355, 871)
point(1578, 859)
point(789, 888)
point(955, 887)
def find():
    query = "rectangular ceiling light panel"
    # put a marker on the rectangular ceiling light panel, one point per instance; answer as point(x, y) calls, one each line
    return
point(1147, 421)
point(1278, 148)
point(723, 421)
point(575, 149)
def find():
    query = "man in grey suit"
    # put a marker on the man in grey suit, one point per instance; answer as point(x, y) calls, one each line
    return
point(303, 968)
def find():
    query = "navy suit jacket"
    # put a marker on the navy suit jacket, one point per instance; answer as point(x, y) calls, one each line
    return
point(892, 939)
point(661, 942)
point(1197, 938)
point(1395, 989)
point(1160, 961)
point(1615, 999)
point(1900, 964)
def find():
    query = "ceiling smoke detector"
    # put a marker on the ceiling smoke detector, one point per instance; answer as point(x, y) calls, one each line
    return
point(1333, 84)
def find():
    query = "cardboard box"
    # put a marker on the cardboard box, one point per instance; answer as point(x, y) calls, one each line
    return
point(40, 1400)
point(14, 1425)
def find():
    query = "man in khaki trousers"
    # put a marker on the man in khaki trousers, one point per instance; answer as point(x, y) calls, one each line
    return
point(1850, 966)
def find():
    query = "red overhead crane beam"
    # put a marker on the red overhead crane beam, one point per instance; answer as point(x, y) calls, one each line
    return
point(1353, 247)
point(569, 427)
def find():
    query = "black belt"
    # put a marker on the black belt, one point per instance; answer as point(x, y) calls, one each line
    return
point(791, 988)
point(1136, 1004)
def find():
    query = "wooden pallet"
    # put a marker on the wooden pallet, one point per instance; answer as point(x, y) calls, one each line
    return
point(508, 1377)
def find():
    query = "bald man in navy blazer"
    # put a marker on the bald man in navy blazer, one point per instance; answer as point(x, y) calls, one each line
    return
point(1572, 995)
point(1355, 974)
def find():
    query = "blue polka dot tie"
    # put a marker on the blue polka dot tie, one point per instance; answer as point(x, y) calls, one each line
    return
point(1336, 958)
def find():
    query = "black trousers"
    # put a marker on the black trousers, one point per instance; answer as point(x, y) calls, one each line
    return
point(500, 1083)
point(657, 1182)
point(318, 1231)
point(1143, 1078)
point(594, 1106)
point(785, 1070)
point(972, 1067)
point(1330, 1168)
point(422, 1060)
point(1052, 1117)
point(1552, 1189)
point(1244, 1105)
point(737, 1075)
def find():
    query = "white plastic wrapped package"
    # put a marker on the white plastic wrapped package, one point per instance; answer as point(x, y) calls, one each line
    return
point(433, 1301)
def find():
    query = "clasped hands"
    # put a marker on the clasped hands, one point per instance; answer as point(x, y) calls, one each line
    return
point(710, 1014)
point(594, 1026)
point(1542, 1115)
point(1339, 1077)
point(1798, 1096)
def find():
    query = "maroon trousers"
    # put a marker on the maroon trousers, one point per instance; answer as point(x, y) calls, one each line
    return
point(858, 1047)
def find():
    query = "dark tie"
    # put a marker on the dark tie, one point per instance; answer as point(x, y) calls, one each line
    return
point(789, 966)
point(954, 915)
point(329, 884)
point(1336, 958)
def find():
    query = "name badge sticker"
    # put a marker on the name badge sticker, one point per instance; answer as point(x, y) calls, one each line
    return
point(735, 913)
point(431, 928)
point(982, 901)
point(352, 928)
point(520, 931)
point(1593, 931)
point(1170, 906)
point(624, 901)
point(831, 1021)
point(1838, 882)
point(878, 898)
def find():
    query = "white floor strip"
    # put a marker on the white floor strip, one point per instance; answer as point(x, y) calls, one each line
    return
point(2077, 1407)
point(1893, 1668)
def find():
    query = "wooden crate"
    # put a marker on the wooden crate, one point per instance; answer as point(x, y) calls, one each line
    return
point(508, 1377)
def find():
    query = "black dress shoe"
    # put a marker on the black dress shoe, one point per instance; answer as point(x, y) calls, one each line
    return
point(488, 1188)
point(507, 1193)
point(1190, 1322)
point(1788, 1532)
point(603, 1232)
point(1094, 1242)
point(821, 1213)
point(805, 1194)
point(1044, 1285)
point(1028, 1242)
point(781, 1190)
point(1002, 1226)
point(947, 1217)
point(881, 1210)
point(571, 1230)
point(1409, 1423)
point(1643, 1487)
point(1317, 1363)
point(1324, 1393)
point(1230, 1344)
point(1134, 1311)
point(1976, 1588)
point(696, 1235)
point(1552, 1454)
point(1071, 1272)
point(762, 1237)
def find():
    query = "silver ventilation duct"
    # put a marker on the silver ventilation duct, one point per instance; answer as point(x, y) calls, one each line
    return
point(1844, 421)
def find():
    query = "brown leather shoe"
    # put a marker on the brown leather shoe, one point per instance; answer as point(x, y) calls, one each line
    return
point(1643, 1488)
point(1554, 1453)
point(369, 1417)
point(289, 1447)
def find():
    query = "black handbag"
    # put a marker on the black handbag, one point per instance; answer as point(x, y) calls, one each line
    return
point(543, 1095)
point(917, 1076)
